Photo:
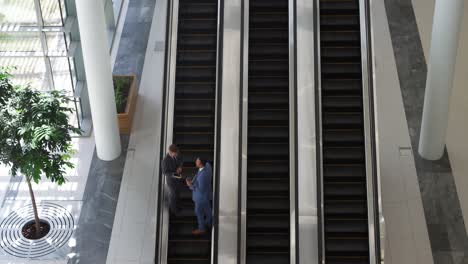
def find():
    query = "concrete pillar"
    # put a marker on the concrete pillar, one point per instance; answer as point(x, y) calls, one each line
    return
point(98, 70)
point(444, 45)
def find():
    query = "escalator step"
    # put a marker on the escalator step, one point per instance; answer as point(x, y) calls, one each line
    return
point(193, 248)
point(342, 103)
point(273, 6)
point(341, 172)
point(191, 140)
point(197, 10)
point(341, 54)
point(269, 20)
point(193, 260)
point(353, 246)
point(343, 137)
point(191, 106)
point(339, 7)
point(342, 87)
point(267, 223)
point(344, 227)
point(268, 84)
point(347, 260)
point(197, 26)
point(195, 90)
point(343, 155)
point(342, 120)
point(269, 68)
point(193, 41)
point(262, 118)
point(274, 169)
point(340, 38)
point(345, 208)
point(268, 134)
point(268, 101)
point(194, 73)
point(189, 155)
point(339, 22)
point(189, 123)
point(340, 70)
point(345, 190)
point(270, 258)
point(267, 242)
point(265, 51)
point(196, 57)
point(268, 205)
point(265, 187)
point(268, 35)
point(268, 151)
point(180, 231)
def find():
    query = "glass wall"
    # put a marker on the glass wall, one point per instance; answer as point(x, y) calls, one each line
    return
point(35, 41)
point(41, 40)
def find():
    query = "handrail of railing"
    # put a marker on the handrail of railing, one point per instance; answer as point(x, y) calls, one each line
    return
point(376, 218)
point(162, 227)
point(319, 134)
point(293, 216)
point(217, 134)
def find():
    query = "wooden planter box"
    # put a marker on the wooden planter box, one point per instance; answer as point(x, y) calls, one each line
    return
point(125, 119)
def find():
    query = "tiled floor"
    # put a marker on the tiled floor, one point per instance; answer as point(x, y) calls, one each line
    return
point(446, 228)
point(132, 48)
point(98, 209)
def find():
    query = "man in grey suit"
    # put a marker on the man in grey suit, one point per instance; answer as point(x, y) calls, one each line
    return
point(172, 170)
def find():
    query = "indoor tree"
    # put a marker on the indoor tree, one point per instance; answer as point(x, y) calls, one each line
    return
point(35, 134)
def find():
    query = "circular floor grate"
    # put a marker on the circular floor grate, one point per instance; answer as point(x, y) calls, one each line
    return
point(14, 243)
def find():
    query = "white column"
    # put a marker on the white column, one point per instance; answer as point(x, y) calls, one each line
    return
point(444, 45)
point(98, 70)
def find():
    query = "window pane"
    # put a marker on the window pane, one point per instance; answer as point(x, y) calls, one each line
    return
point(56, 44)
point(61, 73)
point(17, 12)
point(20, 42)
point(28, 70)
point(51, 12)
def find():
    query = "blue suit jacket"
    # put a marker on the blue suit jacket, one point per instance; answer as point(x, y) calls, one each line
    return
point(201, 185)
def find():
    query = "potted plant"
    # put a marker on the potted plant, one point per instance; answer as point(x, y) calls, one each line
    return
point(35, 139)
point(125, 90)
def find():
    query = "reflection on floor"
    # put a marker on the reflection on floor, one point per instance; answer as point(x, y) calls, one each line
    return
point(441, 205)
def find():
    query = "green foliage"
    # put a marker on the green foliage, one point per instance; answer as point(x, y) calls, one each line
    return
point(35, 133)
point(121, 89)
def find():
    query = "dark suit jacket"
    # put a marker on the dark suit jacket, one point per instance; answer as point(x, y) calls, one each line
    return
point(169, 165)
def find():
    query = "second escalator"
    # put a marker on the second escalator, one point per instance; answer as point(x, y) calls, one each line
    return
point(268, 224)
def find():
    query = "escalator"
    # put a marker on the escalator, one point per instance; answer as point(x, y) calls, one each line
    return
point(194, 119)
point(268, 197)
point(345, 215)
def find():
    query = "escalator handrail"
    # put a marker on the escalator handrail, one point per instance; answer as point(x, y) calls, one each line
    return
point(167, 128)
point(293, 161)
point(375, 217)
point(319, 134)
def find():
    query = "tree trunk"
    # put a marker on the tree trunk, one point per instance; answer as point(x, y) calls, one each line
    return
point(33, 201)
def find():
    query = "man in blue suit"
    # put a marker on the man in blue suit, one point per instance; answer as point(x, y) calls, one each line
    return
point(202, 194)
